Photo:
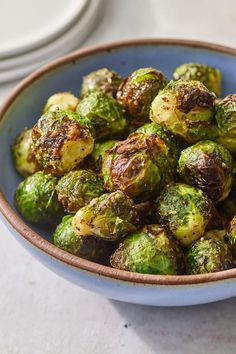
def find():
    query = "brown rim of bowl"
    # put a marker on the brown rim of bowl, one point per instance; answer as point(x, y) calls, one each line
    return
point(36, 240)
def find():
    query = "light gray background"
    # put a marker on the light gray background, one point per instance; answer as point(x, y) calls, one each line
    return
point(41, 313)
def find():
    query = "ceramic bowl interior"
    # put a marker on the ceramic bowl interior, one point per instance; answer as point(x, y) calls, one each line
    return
point(25, 104)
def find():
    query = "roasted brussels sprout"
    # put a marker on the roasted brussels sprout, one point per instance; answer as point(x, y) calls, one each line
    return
point(230, 237)
point(225, 115)
point(207, 255)
point(61, 140)
point(151, 250)
point(208, 75)
point(110, 217)
point(172, 151)
point(61, 100)
point(137, 92)
point(208, 166)
point(36, 199)
point(103, 79)
point(24, 161)
point(186, 212)
point(139, 166)
point(105, 114)
point(98, 154)
point(77, 188)
point(186, 109)
point(91, 248)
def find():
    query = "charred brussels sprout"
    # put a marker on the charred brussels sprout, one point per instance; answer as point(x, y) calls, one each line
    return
point(36, 199)
point(77, 188)
point(61, 100)
point(98, 154)
point(172, 151)
point(151, 250)
point(208, 75)
point(139, 166)
point(24, 161)
point(137, 92)
point(103, 79)
point(105, 114)
point(90, 248)
point(110, 217)
point(186, 109)
point(208, 166)
point(185, 210)
point(225, 115)
point(207, 255)
point(230, 237)
point(61, 140)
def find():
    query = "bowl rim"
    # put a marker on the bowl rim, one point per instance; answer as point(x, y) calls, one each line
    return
point(45, 246)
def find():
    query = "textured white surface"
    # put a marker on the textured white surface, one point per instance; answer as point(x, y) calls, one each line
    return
point(41, 313)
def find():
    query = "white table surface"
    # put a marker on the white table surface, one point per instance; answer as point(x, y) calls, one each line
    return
point(41, 313)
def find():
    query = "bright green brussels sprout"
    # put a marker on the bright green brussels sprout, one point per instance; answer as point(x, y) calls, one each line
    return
point(103, 79)
point(208, 166)
point(186, 109)
point(105, 114)
point(225, 115)
point(139, 166)
point(185, 210)
point(208, 75)
point(36, 199)
point(207, 255)
point(77, 188)
point(22, 153)
point(98, 154)
point(137, 92)
point(61, 100)
point(110, 217)
point(230, 237)
point(91, 248)
point(151, 250)
point(61, 140)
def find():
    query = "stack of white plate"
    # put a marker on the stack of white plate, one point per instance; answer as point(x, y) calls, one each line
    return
point(33, 32)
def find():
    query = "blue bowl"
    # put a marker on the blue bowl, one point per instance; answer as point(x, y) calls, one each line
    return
point(24, 107)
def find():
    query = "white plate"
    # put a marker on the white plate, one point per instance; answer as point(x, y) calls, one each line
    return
point(28, 24)
point(19, 66)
